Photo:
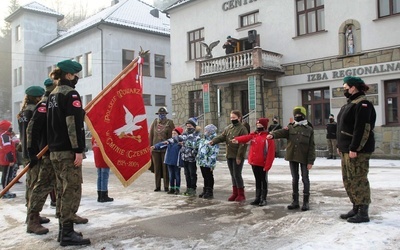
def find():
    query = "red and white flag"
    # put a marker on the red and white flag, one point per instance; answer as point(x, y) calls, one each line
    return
point(117, 120)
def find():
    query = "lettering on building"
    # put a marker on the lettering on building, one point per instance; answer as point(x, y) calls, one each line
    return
point(228, 5)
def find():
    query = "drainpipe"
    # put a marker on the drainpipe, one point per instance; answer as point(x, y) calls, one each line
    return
point(101, 55)
point(262, 95)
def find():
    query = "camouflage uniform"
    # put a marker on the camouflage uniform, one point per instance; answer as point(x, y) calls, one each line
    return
point(66, 137)
point(356, 121)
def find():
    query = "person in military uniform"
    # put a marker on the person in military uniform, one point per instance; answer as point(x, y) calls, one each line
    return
point(33, 95)
point(300, 153)
point(160, 130)
point(36, 135)
point(355, 144)
point(66, 141)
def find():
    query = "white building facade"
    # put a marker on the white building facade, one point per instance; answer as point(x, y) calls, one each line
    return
point(288, 53)
point(104, 44)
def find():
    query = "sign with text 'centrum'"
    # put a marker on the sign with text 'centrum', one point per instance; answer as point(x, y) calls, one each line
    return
point(228, 5)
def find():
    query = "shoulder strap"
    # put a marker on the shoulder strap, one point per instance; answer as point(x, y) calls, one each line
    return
point(359, 99)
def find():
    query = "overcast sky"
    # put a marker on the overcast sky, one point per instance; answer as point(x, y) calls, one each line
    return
point(67, 6)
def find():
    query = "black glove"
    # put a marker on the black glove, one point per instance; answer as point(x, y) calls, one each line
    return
point(33, 161)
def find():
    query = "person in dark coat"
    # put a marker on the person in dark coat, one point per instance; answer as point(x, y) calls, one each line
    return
point(355, 143)
point(331, 128)
point(300, 153)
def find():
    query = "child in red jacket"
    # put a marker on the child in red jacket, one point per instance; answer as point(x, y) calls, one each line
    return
point(261, 156)
point(7, 155)
point(103, 173)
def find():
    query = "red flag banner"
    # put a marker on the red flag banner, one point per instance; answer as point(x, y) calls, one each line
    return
point(117, 119)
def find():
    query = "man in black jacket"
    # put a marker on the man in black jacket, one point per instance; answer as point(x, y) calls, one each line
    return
point(331, 128)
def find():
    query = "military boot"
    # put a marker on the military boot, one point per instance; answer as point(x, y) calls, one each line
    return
point(351, 213)
point(71, 238)
point(295, 202)
point(34, 225)
point(79, 220)
point(361, 216)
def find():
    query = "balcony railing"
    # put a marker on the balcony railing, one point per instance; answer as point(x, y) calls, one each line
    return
point(249, 59)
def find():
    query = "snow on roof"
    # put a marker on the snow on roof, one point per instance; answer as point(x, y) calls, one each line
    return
point(35, 7)
point(129, 13)
point(177, 4)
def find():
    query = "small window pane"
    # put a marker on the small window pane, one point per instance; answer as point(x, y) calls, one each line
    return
point(317, 95)
point(392, 109)
point(300, 5)
point(317, 114)
point(396, 6)
point(327, 94)
point(310, 4)
point(160, 100)
point(302, 24)
point(147, 99)
point(320, 2)
point(311, 22)
point(384, 8)
point(321, 19)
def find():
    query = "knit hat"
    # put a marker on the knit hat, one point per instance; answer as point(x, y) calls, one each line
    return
point(162, 110)
point(5, 125)
point(69, 66)
point(331, 116)
point(34, 91)
point(193, 121)
point(263, 122)
point(179, 130)
point(210, 129)
point(299, 110)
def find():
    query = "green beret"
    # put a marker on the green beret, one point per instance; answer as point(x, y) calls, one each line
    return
point(353, 81)
point(48, 82)
point(69, 66)
point(34, 91)
point(300, 110)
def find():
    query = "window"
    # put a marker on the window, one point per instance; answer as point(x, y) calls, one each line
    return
point(310, 16)
point(88, 98)
point(146, 65)
point(89, 64)
point(196, 50)
point(392, 102)
point(195, 103)
point(19, 82)
point(18, 33)
point(388, 7)
point(160, 100)
point(15, 80)
point(317, 104)
point(159, 66)
point(79, 59)
point(127, 57)
point(249, 19)
point(146, 99)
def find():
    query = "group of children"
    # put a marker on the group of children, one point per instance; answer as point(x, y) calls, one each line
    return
point(189, 149)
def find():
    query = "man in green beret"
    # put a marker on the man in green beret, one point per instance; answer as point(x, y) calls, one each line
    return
point(355, 143)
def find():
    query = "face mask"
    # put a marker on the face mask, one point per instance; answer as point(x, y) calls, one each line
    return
point(275, 122)
point(162, 116)
point(190, 130)
point(347, 93)
point(260, 129)
point(234, 122)
point(331, 120)
point(75, 80)
point(298, 118)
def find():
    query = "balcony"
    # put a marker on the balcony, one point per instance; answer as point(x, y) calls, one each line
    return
point(244, 61)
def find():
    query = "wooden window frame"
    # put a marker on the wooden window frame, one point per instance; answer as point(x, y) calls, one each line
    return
point(195, 103)
point(307, 11)
point(244, 17)
point(391, 95)
point(159, 66)
point(310, 106)
point(196, 49)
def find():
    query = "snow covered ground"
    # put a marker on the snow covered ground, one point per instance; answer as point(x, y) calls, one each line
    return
point(142, 219)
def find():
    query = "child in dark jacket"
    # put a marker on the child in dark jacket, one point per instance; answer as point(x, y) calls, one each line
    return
point(172, 159)
point(261, 156)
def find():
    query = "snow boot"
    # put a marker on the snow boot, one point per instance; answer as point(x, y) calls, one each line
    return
point(99, 196)
point(189, 192)
point(234, 194)
point(105, 198)
point(34, 225)
point(71, 238)
point(177, 190)
point(306, 199)
point(295, 202)
point(241, 196)
point(209, 194)
point(263, 201)
point(361, 216)
point(257, 200)
point(351, 213)
point(202, 193)
point(171, 190)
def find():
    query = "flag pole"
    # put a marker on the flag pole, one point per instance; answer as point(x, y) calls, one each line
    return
point(24, 170)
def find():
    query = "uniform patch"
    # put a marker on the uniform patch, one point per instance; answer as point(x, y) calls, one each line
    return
point(77, 104)
point(75, 96)
point(42, 109)
point(364, 105)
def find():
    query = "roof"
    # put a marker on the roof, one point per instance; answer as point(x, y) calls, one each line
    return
point(128, 13)
point(35, 7)
point(177, 4)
